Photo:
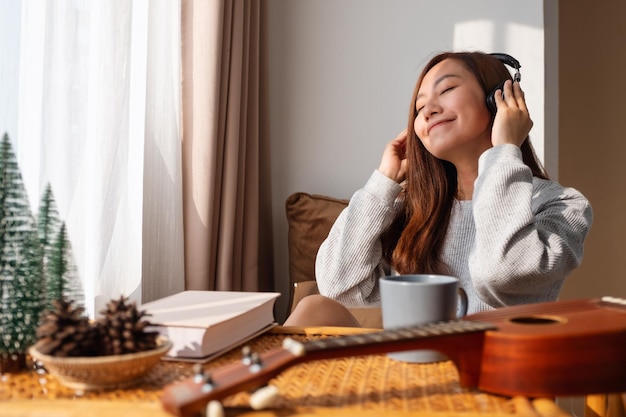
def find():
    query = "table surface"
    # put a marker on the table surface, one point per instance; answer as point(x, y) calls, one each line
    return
point(370, 385)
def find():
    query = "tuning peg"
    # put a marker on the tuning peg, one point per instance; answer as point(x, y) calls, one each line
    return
point(246, 353)
point(202, 377)
point(254, 362)
point(264, 397)
point(293, 346)
point(251, 359)
point(214, 409)
point(198, 373)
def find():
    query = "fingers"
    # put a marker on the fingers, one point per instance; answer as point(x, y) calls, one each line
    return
point(402, 134)
point(516, 95)
point(399, 144)
point(401, 138)
point(511, 95)
point(519, 96)
point(393, 162)
point(512, 122)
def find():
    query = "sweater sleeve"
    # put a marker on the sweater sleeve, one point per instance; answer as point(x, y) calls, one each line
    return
point(349, 262)
point(529, 232)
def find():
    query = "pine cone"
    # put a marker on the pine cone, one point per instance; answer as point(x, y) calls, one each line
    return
point(124, 328)
point(66, 331)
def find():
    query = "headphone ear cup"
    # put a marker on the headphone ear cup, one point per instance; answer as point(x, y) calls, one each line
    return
point(491, 99)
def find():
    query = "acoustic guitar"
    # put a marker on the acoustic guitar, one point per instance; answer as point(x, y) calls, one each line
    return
point(557, 348)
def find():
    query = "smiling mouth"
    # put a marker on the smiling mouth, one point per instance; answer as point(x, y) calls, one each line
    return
point(437, 125)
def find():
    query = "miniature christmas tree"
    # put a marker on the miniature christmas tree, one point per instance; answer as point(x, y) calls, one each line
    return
point(48, 227)
point(36, 264)
point(60, 273)
point(21, 284)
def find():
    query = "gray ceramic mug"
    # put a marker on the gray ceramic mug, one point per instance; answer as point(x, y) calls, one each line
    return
point(412, 300)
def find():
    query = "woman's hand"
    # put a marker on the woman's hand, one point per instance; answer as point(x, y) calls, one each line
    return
point(393, 163)
point(512, 122)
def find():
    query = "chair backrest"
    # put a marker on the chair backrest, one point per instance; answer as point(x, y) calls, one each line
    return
point(310, 217)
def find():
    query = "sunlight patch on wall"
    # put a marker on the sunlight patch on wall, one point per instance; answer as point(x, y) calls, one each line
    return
point(476, 35)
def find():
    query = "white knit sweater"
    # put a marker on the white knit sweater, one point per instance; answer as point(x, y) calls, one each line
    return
point(515, 242)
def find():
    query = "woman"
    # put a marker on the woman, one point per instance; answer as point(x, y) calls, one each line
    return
point(460, 192)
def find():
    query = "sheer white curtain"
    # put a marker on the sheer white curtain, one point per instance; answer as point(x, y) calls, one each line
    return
point(98, 117)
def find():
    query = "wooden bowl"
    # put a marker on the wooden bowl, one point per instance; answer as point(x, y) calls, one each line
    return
point(102, 372)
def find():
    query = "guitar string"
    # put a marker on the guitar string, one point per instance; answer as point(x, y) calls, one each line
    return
point(558, 308)
point(421, 332)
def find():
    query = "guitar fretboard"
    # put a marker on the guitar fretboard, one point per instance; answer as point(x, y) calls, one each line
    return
point(447, 328)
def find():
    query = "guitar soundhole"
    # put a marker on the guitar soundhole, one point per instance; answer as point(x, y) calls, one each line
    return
point(536, 320)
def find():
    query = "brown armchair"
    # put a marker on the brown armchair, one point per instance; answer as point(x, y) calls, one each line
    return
point(310, 218)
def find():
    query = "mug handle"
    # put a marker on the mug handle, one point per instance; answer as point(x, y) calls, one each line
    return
point(461, 309)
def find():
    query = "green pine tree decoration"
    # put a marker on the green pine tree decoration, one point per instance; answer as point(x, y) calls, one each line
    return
point(60, 272)
point(48, 227)
point(21, 265)
point(37, 270)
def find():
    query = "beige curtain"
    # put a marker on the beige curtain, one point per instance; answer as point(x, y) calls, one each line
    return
point(227, 220)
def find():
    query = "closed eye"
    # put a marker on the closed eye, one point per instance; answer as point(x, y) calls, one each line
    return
point(445, 90)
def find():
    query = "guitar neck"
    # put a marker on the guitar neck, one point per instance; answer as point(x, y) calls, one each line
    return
point(392, 340)
point(461, 340)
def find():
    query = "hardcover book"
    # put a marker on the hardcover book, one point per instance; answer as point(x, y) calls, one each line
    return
point(205, 324)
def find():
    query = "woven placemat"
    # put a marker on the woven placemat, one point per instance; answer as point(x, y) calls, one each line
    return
point(367, 383)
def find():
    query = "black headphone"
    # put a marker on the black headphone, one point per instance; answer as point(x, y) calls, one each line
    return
point(511, 62)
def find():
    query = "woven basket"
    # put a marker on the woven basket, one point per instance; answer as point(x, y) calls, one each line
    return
point(102, 372)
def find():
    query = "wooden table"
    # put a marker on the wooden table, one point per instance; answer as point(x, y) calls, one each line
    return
point(371, 385)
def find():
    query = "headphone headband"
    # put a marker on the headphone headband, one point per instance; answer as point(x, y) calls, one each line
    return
point(511, 62)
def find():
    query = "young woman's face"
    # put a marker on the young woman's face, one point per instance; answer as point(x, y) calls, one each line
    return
point(452, 121)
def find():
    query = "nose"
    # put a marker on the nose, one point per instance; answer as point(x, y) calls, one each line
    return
point(431, 108)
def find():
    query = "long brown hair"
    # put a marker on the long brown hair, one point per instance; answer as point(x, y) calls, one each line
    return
point(414, 242)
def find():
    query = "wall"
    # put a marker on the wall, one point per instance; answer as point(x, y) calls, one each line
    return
point(341, 76)
point(591, 61)
point(592, 136)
